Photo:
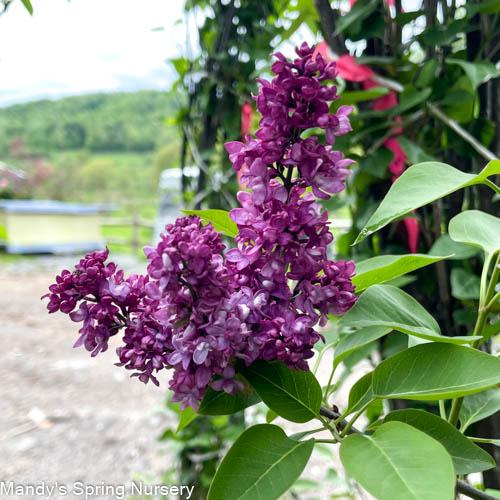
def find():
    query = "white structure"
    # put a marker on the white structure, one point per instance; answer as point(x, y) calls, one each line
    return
point(170, 195)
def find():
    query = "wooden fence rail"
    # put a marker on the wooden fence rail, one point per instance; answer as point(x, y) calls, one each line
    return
point(135, 222)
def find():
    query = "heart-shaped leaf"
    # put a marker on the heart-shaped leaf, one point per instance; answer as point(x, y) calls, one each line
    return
point(386, 305)
point(186, 417)
point(262, 463)
point(419, 185)
point(387, 267)
point(478, 72)
point(399, 461)
point(355, 340)
point(479, 406)
point(444, 245)
point(361, 394)
point(221, 403)
point(292, 394)
point(219, 218)
point(435, 371)
point(467, 457)
point(476, 228)
point(464, 284)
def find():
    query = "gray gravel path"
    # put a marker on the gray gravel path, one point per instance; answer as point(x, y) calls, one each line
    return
point(65, 416)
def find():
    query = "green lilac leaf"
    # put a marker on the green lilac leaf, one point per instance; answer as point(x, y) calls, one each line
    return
point(219, 218)
point(353, 341)
point(476, 228)
point(358, 12)
point(270, 416)
point(419, 185)
point(352, 97)
point(221, 403)
point(386, 305)
point(486, 7)
point(467, 457)
point(435, 371)
point(464, 284)
point(361, 394)
point(413, 151)
point(292, 394)
point(29, 7)
point(399, 461)
point(262, 464)
point(444, 245)
point(478, 72)
point(479, 406)
point(186, 417)
point(387, 267)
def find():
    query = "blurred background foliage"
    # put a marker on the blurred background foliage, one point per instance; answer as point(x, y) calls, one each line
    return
point(112, 122)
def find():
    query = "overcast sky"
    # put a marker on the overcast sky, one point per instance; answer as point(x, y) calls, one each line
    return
point(81, 46)
point(87, 45)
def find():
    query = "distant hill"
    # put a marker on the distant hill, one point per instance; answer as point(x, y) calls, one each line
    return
point(104, 122)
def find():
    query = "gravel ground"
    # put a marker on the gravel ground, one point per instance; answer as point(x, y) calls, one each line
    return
point(66, 417)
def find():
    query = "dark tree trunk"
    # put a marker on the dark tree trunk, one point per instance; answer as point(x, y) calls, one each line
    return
point(211, 124)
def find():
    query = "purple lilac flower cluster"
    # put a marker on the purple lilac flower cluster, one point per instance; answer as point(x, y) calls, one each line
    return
point(283, 234)
point(197, 312)
point(193, 287)
point(294, 101)
point(106, 299)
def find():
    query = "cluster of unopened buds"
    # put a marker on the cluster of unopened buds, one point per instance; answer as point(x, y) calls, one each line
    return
point(199, 309)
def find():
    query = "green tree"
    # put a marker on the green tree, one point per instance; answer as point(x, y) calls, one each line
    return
point(98, 122)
